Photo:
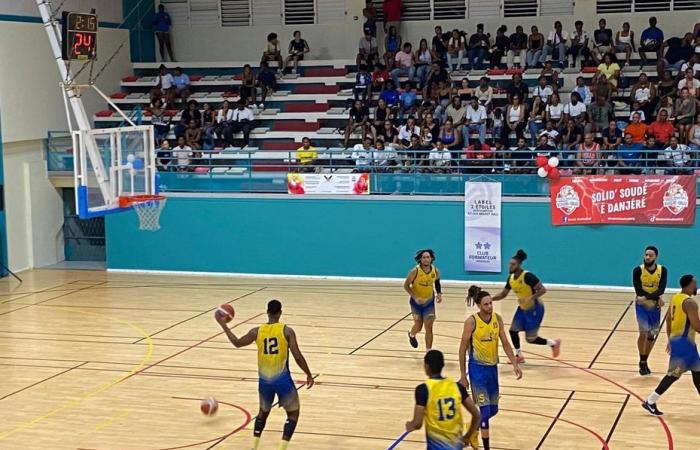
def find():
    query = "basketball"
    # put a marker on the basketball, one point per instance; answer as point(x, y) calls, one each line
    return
point(209, 406)
point(227, 311)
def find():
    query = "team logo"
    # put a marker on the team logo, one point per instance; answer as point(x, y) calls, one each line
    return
point(567, 200)
point(676, 199)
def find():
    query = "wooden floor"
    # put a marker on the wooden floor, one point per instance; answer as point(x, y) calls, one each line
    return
point(90, 360)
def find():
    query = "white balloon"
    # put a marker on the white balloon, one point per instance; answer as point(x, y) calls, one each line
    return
point(542, 172)
point(553, 161)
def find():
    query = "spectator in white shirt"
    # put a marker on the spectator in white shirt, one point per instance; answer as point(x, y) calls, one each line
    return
point(163, 88)
point(408, 130)
point(182, 154)
point(551, 133)
point(575, 109)
point(556, 40)
point(182, 85)
point(583, 91)
point(542, 90)
point(362, 155)
point(579, 44)
point(475, 121)
point(689, 82)
point(439, 158)
point(693, 63)
point(241, 121)
point(384, 157)
point(677, 156)
point(222, 121)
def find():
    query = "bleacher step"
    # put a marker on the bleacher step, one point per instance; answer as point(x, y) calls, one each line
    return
point(336, 111)
point(260, 130)
point(281, 93)
point(290, 76)
point(270, 112)
point(326, 130)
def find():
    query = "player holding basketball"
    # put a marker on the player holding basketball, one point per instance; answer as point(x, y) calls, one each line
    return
point(480, 337)
point(530, 312)
point(682, 323)
point(649, 280)
point(422, 282)
point(438, 403)
point(274, 341)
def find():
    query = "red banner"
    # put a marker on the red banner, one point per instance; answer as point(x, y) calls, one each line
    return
point(619, 199)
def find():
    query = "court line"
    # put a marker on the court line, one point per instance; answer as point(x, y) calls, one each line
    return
point(384, 331)
point(610, 335)
point(617, 419)
point(48, 300)
point(40, 291)
point(41, 381)
point(554, 421)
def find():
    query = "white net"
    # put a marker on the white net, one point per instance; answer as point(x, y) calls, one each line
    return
point(148, 212)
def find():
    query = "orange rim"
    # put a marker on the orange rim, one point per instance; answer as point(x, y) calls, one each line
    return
point(127, 201)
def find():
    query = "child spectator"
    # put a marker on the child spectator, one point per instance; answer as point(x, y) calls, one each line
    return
point(363, 84)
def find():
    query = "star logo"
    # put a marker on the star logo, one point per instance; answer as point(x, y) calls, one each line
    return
point(487, 246)
point(478, 245)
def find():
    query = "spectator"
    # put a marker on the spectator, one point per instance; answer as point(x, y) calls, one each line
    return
point(456, 111)
point(273, 52)
point(667, 87)
point(475, 121)
point(608, 73)
point(439, 158)
point(588, 157)
point(164, 157)
point(538, 115)
point(414, 155)
point(451, 138)
point(637, 129)
point(612, 138)
point(550, 74)
point(387, 133)
point(362, 155)
point(693, 63)
point(552, 134)
point(161, 24)
point(442, 94)
point(182, 154)
point(555, 41)
point(667, 105)
point(517, 87)
point(629, 156)
point(689, 82)
point(408, 101)
point(267, 82)
point(242, 121)
point(514, 120)
point(382, 113)
point(436, 75)
point(407, 131)
point(182, 85)
point(164, 87)
point(555, 111)
point(190, 113)
point(479, 44)
point(193, 135)
point(575, 109)
point(543, 147)
point(390, 95)
point(422, 61)
point(456, 50)
point(542, 90)
point(602, 41)
point(637, 109)
point(662, 129)
point(224, 116)
point(379, 76)
point(306, 156)
point(439, 45)
point(484, 92)
point(298, 47)
point(624, 42)
point(159, 120)
point(579, 44)
point(392, 14)
point(650, 41)
point(404, 65)
point(500, 47)
point(678, 51)
point(363, 84)
point(650, 154)
point(644, 93)
point(521, 155)
point(465, 92)
point(518, 46)
point(392, 44)
point(384, 157)
point(685, 109)
point(535, 45)
point(248, 83)
point(677, 157)
point(208, 123)
point(359, 118)
point(571, 137)
point(496, 119)
point(368, 50)
point(432, 126)
point(583, 91)
point(369, 12)
point(600, 113)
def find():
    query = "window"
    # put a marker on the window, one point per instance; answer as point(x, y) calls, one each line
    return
point(614, 6)
point(416, 10)
point(449, 9)
point(627, 6)
point(520, 8)
point(267, 12)
point(329, 11)
point(299, 12)
point(685, 5)
point(235, 13)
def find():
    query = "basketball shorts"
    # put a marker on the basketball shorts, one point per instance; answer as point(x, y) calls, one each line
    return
point(648, 319)
point(528, 320)
point(438, 443)
point(485, 391)
point(684, 357)
point(423, 311)
point(282, 387)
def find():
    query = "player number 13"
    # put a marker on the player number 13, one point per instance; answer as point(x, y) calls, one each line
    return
point(446, 408)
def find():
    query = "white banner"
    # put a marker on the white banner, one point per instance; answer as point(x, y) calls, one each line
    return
point(327, 183)
point(482, 227)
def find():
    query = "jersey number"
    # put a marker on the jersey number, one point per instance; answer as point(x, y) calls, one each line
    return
point(446, 408)
point(673, 312)
point(270, 346)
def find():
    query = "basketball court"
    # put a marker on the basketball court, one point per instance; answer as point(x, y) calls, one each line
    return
point(103, 361)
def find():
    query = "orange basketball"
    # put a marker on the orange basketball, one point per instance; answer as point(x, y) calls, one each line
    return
point(227, 311)
point(209, 406)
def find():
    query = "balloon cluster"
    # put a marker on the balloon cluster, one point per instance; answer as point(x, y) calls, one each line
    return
point(548, 167)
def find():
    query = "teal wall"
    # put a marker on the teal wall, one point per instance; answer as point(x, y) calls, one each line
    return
point(137, 19)
point(377, 238)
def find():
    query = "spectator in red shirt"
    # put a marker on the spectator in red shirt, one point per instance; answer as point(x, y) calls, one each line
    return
point(392, 14)
point(379, 77)
point(662, 129)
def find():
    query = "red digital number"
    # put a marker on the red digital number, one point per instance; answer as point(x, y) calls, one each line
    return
point(78, 42)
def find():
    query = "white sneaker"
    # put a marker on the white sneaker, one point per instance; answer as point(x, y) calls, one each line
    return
point(261, 106)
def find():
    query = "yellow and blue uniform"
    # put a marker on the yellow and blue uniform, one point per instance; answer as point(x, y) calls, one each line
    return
point(442, 399)
point(652, 286)
point(684, 351)
point(529, 314)
point(483, 366)
point(273, 368)
point(423, 294)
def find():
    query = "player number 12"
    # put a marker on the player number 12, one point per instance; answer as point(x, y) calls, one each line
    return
point(270, 346)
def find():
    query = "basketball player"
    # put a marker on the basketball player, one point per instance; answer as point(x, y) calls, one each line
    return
point(681, 325)
point(481, 334)
point(274, 340)
point(419, 285)
point(438, 403)
point(649, 280)
point(530, 312)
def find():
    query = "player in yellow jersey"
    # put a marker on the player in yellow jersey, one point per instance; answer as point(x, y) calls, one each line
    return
point(480, 337)
point(274, 341)
point(649, 282)
point(530, 311)
point(422, 283)
point(438, 404)
point(682, 323)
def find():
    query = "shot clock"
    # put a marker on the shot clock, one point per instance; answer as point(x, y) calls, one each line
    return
point(79, 33)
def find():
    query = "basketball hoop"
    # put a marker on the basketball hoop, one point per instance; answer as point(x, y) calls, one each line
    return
point(147, 207)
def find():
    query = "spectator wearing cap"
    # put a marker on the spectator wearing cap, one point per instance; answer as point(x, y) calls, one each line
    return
point(650, 40)
point(161, 24)
point(479, 44)
point(555, 41)
point(298, 47)
point(517, 46)
point(368, 50)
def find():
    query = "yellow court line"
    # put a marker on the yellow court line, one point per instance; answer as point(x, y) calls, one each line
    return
point(87, 395)
point(111, 420)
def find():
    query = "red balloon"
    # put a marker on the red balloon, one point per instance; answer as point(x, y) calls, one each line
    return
point(549, 168)
point(554, 174)
point(541, 161)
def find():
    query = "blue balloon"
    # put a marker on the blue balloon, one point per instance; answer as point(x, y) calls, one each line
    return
point(137, 164)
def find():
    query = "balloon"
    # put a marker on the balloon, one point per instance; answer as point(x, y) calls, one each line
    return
point(554, 174)
point(548, 168)
point(553, 161)
point(137, 164)
point(542, 172)
point(541, 161)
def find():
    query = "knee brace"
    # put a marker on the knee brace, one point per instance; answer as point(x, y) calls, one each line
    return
point(487, 412)
point(259, 426)
point(289, 427)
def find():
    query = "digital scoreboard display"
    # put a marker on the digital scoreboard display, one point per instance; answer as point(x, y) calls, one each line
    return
point(79, 33)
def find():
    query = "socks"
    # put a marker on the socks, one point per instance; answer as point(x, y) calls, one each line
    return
point(515, 339)
point(283, 445)
point(256, 443)
point(643, 359)
point(653, 397)
point(518, 352)
point(487, 443)
point(551, 342)
point(539, 341)
point(411, 335)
